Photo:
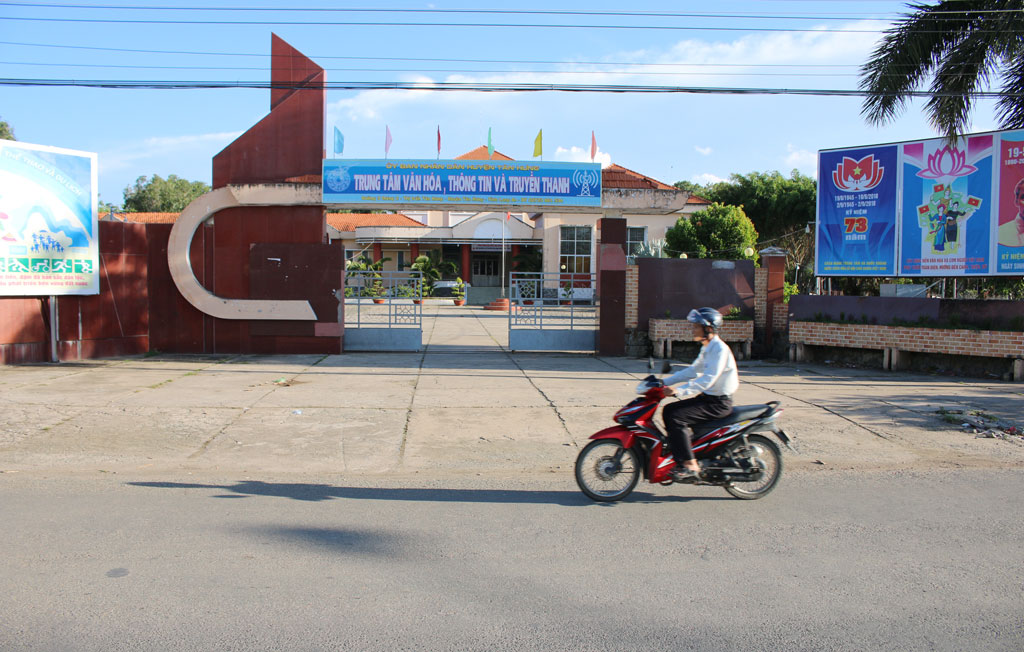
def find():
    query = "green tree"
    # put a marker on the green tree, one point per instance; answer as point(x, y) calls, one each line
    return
point(719, 231)
point(6, 131)
point(159, 195)
point(775, 204)
point(690, 187)
point(433, 269)
point(960, 45)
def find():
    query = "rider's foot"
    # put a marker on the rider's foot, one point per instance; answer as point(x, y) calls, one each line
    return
point(683, 474)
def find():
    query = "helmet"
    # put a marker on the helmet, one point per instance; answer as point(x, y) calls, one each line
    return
point(706, 317)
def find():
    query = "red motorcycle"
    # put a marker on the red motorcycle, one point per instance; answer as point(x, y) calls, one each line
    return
point(730, 454)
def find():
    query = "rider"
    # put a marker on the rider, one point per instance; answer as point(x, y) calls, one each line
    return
point(712, 378)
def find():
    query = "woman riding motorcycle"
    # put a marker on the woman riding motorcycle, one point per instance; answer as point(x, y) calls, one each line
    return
point(710, 382)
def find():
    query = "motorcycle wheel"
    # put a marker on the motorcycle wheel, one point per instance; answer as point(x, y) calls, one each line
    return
point(603, 479)
point(759, 451)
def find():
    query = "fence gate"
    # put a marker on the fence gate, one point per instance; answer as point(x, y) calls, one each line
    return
point(552, 311)
point(383, 311)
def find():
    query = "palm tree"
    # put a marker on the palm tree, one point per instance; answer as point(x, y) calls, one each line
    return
point(432, 268)
point(963, 45)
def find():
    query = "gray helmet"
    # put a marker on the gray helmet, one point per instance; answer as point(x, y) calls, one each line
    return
point(706, 317)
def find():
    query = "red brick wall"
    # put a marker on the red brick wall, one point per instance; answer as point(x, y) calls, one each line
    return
point(680, 330)
point(990, 344)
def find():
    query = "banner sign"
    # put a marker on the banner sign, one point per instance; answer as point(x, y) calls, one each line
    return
point(48, 221)
point(856, 233)
point(935, 208)
point(461, 182)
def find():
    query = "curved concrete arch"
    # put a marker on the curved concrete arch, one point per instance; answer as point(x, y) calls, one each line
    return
point(204, 207)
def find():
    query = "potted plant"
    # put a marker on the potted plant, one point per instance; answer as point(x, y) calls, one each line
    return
point(567, 292)
point(459, 292)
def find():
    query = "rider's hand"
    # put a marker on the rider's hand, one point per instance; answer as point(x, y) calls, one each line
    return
point(668, 391)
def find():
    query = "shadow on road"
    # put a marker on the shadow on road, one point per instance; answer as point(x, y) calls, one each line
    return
point(319, 492)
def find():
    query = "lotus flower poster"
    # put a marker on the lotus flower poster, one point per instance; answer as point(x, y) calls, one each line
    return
point(946, 214)
point(923, 208)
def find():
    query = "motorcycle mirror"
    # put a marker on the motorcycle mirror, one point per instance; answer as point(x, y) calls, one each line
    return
point(666, 366)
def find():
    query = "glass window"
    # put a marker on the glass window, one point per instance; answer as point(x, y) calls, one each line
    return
point(576, 249)
point(635, 236)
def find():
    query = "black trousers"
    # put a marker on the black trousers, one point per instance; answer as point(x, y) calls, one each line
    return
point(679, 416)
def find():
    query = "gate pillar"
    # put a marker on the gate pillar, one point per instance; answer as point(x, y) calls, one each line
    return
point(611, 286)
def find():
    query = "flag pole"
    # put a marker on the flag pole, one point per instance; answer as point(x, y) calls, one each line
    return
point(503, 255)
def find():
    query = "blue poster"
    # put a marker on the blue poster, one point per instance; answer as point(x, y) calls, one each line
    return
point(461, 182)
point(48, 221)
point(946, 221)
point(857, 196)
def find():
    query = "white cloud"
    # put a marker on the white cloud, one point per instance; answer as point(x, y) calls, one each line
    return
point(157, 147)
point(582, 155)
point(706, 178)
point(801, 159)
point(705, 151)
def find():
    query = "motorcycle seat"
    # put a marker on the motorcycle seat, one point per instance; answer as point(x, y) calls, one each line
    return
point(739, 413)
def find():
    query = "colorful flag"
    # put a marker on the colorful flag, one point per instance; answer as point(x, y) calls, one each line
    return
point(490, 144)
point(974, 201)
point(339, 142)
point(508, 215)
point(593, 146)
point(538, 144)
point(924, 210)
point(387, 140)
point(438, 141)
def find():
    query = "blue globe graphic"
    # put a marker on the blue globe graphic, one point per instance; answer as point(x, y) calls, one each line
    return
point(338, 180)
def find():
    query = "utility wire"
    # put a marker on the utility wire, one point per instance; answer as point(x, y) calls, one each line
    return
point(470, 86)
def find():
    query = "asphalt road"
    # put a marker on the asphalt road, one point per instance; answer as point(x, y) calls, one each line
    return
point(834, 560)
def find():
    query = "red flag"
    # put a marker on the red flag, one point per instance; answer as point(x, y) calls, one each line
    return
point(508, 215)
point(974, 201)
point(938, 187)
point(923, 209)
point(439, 140)
point(593, 146)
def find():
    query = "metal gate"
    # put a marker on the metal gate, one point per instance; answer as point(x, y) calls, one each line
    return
point(383, 311)
point(552, 311)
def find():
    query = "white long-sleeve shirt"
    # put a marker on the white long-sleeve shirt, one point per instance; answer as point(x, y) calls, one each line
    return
point(713, 372)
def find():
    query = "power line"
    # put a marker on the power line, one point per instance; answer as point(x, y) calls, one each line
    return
point(468, 87)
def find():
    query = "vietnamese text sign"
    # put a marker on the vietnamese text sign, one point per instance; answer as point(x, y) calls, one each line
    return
point(461, 182)
point(856, 233)
point(1010, 216)
point(48, 221)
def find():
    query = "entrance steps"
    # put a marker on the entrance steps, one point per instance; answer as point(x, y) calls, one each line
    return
point(499, 304)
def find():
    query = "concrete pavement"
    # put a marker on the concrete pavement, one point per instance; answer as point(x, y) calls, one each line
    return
point(464, 405)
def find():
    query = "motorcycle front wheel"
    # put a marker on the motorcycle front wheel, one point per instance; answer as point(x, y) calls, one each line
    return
point(606, 472)
point(758, 453)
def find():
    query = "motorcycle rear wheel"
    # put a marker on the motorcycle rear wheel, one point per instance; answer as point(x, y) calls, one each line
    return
point(758, 451)
point(601, 477)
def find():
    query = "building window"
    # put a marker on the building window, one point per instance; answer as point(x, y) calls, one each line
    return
point(635, 236)
point(575, 249)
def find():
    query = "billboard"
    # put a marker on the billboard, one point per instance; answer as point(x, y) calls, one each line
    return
point(956, 209)
point(461, 182)
point(48, 221)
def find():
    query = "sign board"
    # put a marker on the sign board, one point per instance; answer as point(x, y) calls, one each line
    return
point(923, 208)
point(461, 182)
point(48, 221)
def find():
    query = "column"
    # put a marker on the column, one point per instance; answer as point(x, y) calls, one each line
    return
point(611, 286)
point(466, 267)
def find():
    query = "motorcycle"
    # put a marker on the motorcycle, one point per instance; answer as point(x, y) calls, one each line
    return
point(729, 451)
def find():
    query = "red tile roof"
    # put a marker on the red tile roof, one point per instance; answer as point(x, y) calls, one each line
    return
point(143, 218)
point(616, 176)
point(694, 199)
point(349, 221)
point(480, 154)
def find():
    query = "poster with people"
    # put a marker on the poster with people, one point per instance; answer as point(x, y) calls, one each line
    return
point(1010, 217)
point(48, 221)
point(856, 233)
point(946, 206)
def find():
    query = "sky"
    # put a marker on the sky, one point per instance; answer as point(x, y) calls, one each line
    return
point(766, 44)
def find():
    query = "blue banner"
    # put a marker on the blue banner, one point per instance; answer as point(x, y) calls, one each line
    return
point(461, 182)
point(48, 221)
point(946, 227)
point(856, 234)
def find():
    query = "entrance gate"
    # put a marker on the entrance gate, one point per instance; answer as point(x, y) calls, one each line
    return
point(383, 311)
point(551, 311)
